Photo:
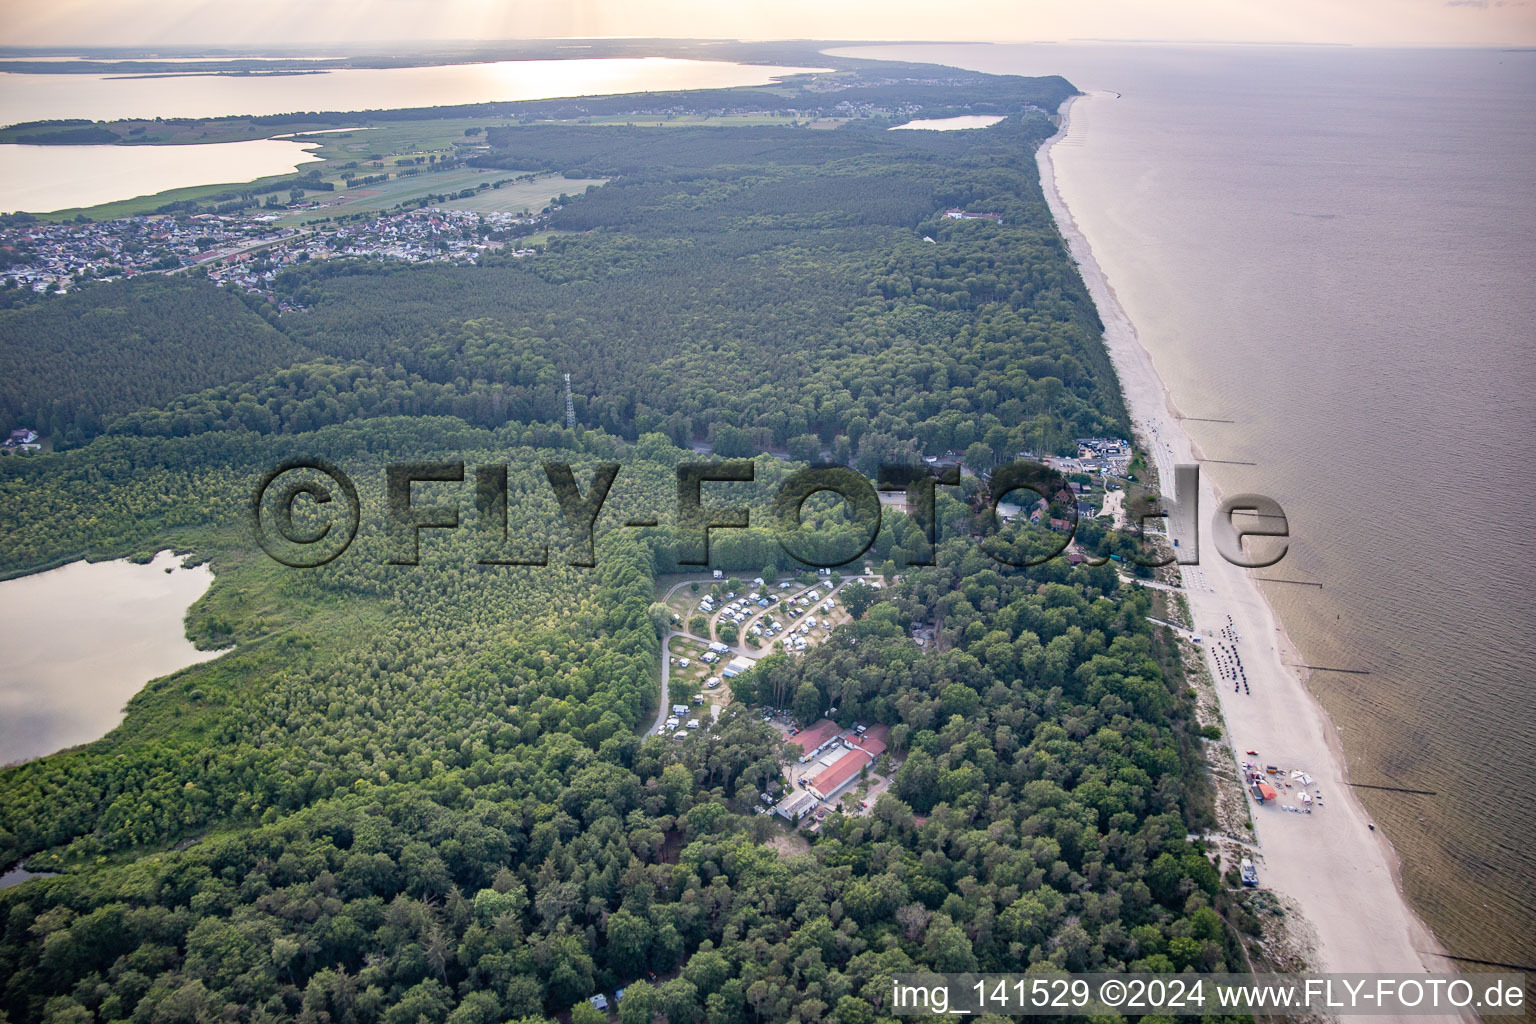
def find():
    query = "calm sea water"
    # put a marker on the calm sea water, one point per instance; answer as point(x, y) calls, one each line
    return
point(1336, 249)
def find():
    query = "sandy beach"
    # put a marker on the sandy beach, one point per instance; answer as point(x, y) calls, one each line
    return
point(1329, 862)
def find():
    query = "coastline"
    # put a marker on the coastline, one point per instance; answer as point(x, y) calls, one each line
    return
point(1343, 874)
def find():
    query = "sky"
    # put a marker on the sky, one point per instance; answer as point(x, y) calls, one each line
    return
point(366, 22)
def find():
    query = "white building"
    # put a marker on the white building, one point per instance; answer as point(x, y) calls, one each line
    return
point(795, 805)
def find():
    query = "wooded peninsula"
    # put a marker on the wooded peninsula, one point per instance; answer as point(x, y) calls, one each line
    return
point(427, 793)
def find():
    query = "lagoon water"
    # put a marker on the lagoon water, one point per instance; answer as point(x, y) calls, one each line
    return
point(82, 639)
point(1333, 248)
point(42, 179)
point(36, 97)
point(949, 124)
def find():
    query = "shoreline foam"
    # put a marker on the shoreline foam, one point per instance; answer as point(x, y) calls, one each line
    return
point(1344, 875)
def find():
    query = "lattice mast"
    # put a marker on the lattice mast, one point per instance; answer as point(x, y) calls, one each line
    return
point(570, 405)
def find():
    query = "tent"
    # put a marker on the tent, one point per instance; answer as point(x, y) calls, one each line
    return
point(1302, 777)
point(1267, 792)
point(1304, 798)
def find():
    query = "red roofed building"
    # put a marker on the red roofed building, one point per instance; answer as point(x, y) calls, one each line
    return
point(813, 739)
point(842, 771)
point(874, 739)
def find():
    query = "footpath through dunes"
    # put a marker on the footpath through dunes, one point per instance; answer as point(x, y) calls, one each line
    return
point(1341, 872)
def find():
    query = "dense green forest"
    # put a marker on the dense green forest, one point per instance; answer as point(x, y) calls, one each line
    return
point(66, 367)
point(424, 793)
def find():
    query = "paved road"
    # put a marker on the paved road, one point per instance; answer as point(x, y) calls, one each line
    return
point(221, 255)
point(1180, 630)
point(787, 596)
point(1153, 584)
point(664, 705)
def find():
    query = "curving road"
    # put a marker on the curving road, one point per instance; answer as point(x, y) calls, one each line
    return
point(664, 705)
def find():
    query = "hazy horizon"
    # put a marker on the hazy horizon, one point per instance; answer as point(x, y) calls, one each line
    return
point(141, 23)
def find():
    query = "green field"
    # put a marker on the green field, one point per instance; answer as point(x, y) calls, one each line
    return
point(720, 120)
point(364, 150)
point(516, 196)
point(388, 140)
point(148, 204)
point(512, 197)
point(374, 149)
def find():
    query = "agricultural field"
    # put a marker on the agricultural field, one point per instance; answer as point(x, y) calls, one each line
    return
point(523, 196)
point(697, 120)
point(363, 150)
point(372, 149)
point(531, 195)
